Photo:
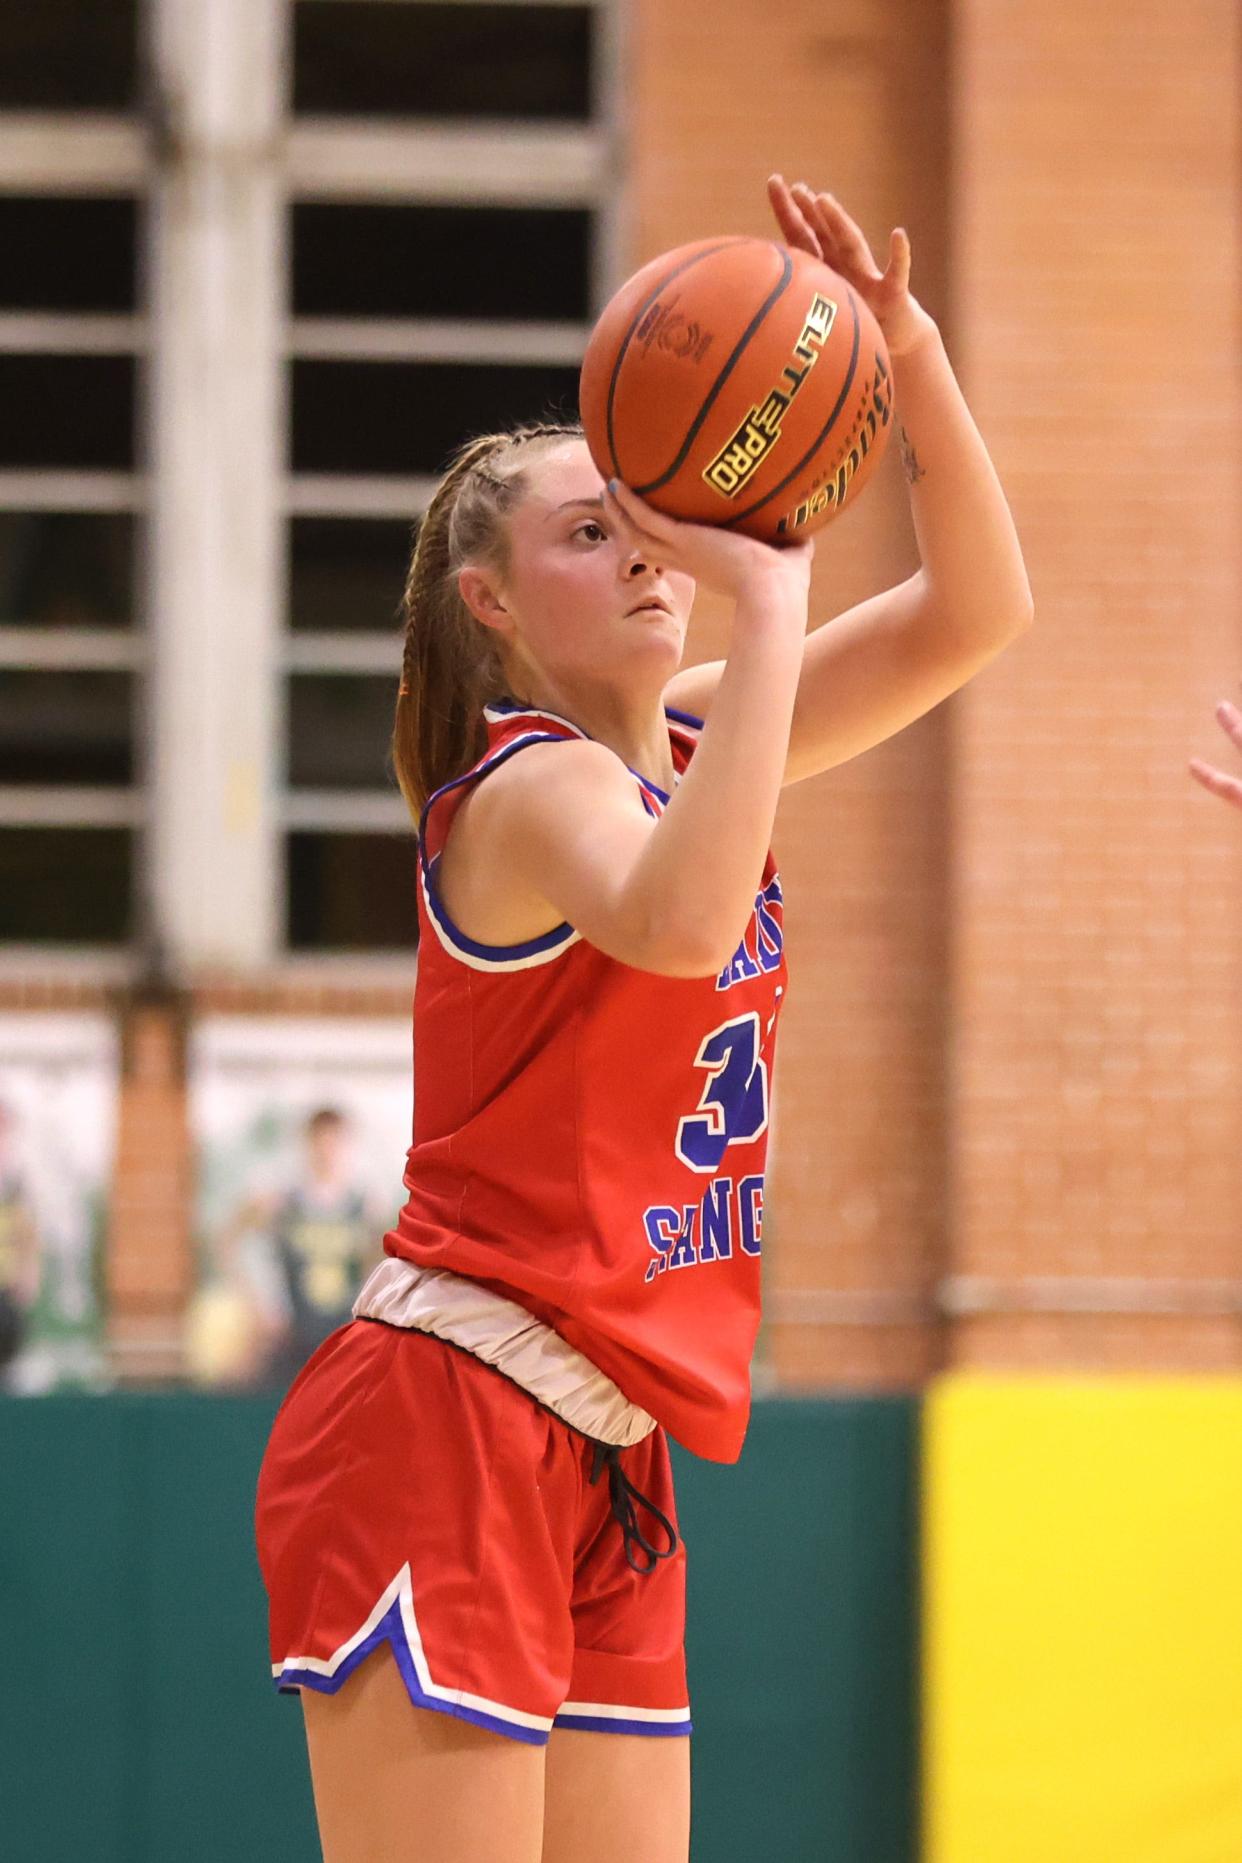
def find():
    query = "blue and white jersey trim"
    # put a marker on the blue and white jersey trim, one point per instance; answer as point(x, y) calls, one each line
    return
point(500, 710)
point(688, 727)
point(471, 951)
point(478, 956)
point(685, 724)
point(549, 945)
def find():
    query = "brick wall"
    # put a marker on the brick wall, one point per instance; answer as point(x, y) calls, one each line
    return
point(150, 1266)
point(850, 97)
point(1010, 1063)
point(1009, 1081)
point(1097, 974)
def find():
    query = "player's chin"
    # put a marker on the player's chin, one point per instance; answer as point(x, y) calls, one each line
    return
point(657, 618)
point(659, 637)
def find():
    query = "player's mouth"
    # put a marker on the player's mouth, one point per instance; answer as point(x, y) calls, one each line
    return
point(652, 602)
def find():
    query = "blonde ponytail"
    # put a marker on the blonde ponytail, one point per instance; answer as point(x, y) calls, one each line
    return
point(451, 664)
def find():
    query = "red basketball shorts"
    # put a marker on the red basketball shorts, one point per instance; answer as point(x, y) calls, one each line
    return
point(411, 1494)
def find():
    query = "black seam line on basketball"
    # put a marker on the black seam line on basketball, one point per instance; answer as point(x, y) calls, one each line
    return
point(653, 485)
point(740, 516)
point(639, 314)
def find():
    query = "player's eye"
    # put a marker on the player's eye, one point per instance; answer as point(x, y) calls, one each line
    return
point(590, 525)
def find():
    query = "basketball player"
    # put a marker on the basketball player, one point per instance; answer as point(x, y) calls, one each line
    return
point(1218, 782)
point(320, 1231)
point(466, 1500)
point(20, 1255)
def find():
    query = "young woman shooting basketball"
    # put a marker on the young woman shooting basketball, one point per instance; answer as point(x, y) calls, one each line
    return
point(467, 1497)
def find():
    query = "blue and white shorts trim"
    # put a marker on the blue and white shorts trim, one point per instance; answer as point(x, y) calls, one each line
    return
point(394, 1621)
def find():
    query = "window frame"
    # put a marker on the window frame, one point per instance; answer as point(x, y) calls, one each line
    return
point(464, 162)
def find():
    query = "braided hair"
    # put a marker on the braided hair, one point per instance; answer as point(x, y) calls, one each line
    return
point(451, 664)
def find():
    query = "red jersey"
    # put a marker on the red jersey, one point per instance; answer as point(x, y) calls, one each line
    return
point(589, 1138)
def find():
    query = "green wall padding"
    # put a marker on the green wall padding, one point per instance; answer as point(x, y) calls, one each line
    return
point(801, 1636)
point(138, 1723)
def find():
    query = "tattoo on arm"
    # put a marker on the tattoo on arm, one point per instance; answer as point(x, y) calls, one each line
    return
point(910, 459)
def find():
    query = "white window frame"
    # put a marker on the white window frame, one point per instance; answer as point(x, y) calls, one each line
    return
point(211, 808)
point(473, 163)
point(93, 154)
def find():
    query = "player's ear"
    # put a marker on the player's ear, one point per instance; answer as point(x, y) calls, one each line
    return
point(480, 592)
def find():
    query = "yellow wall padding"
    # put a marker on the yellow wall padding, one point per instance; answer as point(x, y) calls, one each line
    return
point(1082, 1597)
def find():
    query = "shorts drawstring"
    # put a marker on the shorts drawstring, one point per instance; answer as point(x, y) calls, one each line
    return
point(623, 1494)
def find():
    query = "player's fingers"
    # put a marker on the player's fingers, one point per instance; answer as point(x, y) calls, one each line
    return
point(637, 536)
point(831, 248)
point(898, 274)
point(638, 514)
point(1230, 719)
point(656, 534)
point(790, 218)
point(846, 234)
point(1228, 787)
point(852, 260)
point(618, 502)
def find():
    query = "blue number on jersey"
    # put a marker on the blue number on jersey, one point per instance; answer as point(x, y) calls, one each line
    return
point(733, 1107)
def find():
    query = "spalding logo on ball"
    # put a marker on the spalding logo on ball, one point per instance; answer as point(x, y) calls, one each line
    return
point(740, 383)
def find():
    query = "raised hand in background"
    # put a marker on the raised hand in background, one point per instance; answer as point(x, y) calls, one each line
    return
point(1230, 787)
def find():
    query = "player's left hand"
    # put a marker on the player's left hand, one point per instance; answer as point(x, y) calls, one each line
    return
point(818, 224)
point(1216, 781)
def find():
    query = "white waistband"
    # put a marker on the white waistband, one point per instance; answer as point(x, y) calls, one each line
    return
point(505, 1335)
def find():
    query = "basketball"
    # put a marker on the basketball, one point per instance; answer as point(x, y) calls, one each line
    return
point(741, 383)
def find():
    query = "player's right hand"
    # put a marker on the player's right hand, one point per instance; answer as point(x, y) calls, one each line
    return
point(723, 560)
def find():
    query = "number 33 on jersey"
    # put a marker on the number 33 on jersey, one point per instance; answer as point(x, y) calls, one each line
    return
point(732, 1112)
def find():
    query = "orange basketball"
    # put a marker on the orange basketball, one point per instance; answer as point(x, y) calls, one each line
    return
point(738, 382)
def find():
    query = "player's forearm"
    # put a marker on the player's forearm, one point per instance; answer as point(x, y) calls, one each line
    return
point(704, 862)
point(971, 556)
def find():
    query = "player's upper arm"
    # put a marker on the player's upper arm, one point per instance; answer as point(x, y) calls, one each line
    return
point(867, 674)
point(567, 821)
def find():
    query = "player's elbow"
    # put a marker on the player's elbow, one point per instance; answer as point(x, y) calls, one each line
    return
point(1024, 613)
point(659, 950)
point(685, 961)
point(687, 950)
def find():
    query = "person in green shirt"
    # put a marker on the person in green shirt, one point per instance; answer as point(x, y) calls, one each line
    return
point(20, 1254)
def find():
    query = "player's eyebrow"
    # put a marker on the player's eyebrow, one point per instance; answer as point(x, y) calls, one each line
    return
point(596, 504)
